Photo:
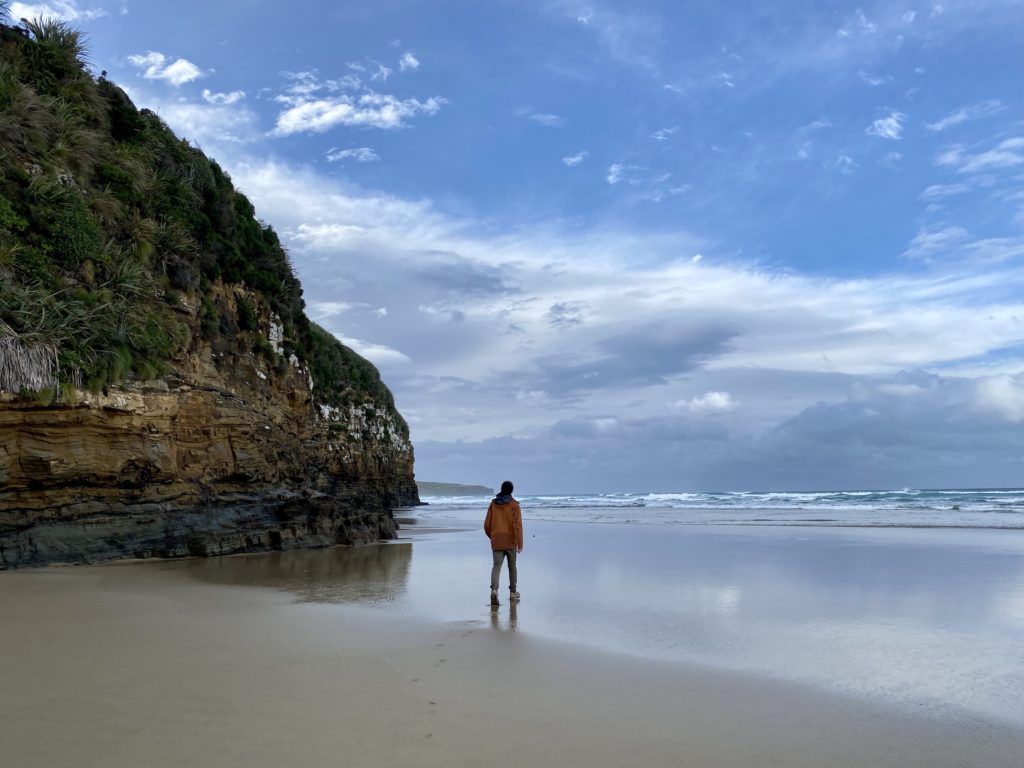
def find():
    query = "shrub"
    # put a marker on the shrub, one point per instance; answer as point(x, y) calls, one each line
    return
point(247, 320)
point(70, 234)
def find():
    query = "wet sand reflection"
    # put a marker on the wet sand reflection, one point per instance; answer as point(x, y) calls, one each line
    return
point(373, 574)
point(510, 624)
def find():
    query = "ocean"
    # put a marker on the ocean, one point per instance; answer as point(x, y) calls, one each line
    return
point(907, 508)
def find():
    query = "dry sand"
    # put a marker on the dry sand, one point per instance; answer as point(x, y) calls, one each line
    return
point(139, 665)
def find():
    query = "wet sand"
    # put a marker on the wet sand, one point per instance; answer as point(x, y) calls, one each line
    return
point(327, 659)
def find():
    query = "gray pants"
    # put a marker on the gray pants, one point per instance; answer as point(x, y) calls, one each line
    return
point(499, 555)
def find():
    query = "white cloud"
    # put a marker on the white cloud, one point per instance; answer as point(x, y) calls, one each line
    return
point(222, 98)
point(868, 39)
point(376, 71)
point(962, 115)
point(806, 145)
point(645, 184)
point(929, 242)
point(815, 125)
point(408, 62)
point(858, 25)
point(890, 127)
point(1003, 395)
point(368, 110)
point(1007, 154)
point(359, 154)
point(658, 188)
point(845, 164)
point(379, 354)
point(605, 423)
point(941, 191)
point(952, 156)
point(205, 123)
point(709, 402)
point(664, 134)
point(725, 79)
point(627, 35)
point(873, 80)
point(573, 160)
point(321, 310)
point(178, 72)
point(546, 119)
point(68, 10)
point(305, 83)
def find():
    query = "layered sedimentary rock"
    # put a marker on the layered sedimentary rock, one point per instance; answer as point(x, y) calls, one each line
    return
point(230, 453)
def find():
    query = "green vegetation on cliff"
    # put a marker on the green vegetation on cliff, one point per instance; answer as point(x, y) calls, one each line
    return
point(110, 226)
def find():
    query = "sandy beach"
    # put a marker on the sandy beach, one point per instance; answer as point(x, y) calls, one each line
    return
point(337, 658)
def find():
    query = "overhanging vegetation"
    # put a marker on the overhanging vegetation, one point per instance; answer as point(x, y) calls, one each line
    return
point(110, 224)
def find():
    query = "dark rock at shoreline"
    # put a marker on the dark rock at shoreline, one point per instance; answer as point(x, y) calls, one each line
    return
point(255, 525)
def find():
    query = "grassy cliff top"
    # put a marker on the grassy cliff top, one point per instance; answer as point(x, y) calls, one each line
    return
point(109, 224)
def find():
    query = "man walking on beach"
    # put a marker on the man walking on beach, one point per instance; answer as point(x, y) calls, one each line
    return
point(504, 527)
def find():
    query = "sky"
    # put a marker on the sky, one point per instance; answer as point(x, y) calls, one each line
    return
point(634, 246)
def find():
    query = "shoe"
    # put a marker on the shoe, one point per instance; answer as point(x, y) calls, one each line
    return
point(513, 595)
point(494, 597)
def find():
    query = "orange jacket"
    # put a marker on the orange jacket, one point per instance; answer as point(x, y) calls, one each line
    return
point(504, 524)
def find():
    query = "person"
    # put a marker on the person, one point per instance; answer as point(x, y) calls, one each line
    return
point(504, 527)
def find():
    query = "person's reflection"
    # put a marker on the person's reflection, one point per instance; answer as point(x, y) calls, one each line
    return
point(511, 625)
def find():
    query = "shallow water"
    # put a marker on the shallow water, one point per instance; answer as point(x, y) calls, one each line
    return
point(928, 620)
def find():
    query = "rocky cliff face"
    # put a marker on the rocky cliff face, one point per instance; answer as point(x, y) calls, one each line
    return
point(229, 453)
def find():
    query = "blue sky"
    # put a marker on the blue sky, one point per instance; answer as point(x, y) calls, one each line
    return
point(635, 245)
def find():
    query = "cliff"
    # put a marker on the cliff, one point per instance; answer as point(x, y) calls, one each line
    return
point(162, 392)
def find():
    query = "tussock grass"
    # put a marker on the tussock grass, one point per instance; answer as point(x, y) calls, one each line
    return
point(26, 366)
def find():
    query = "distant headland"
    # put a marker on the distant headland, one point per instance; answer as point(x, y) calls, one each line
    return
point(452, 489)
